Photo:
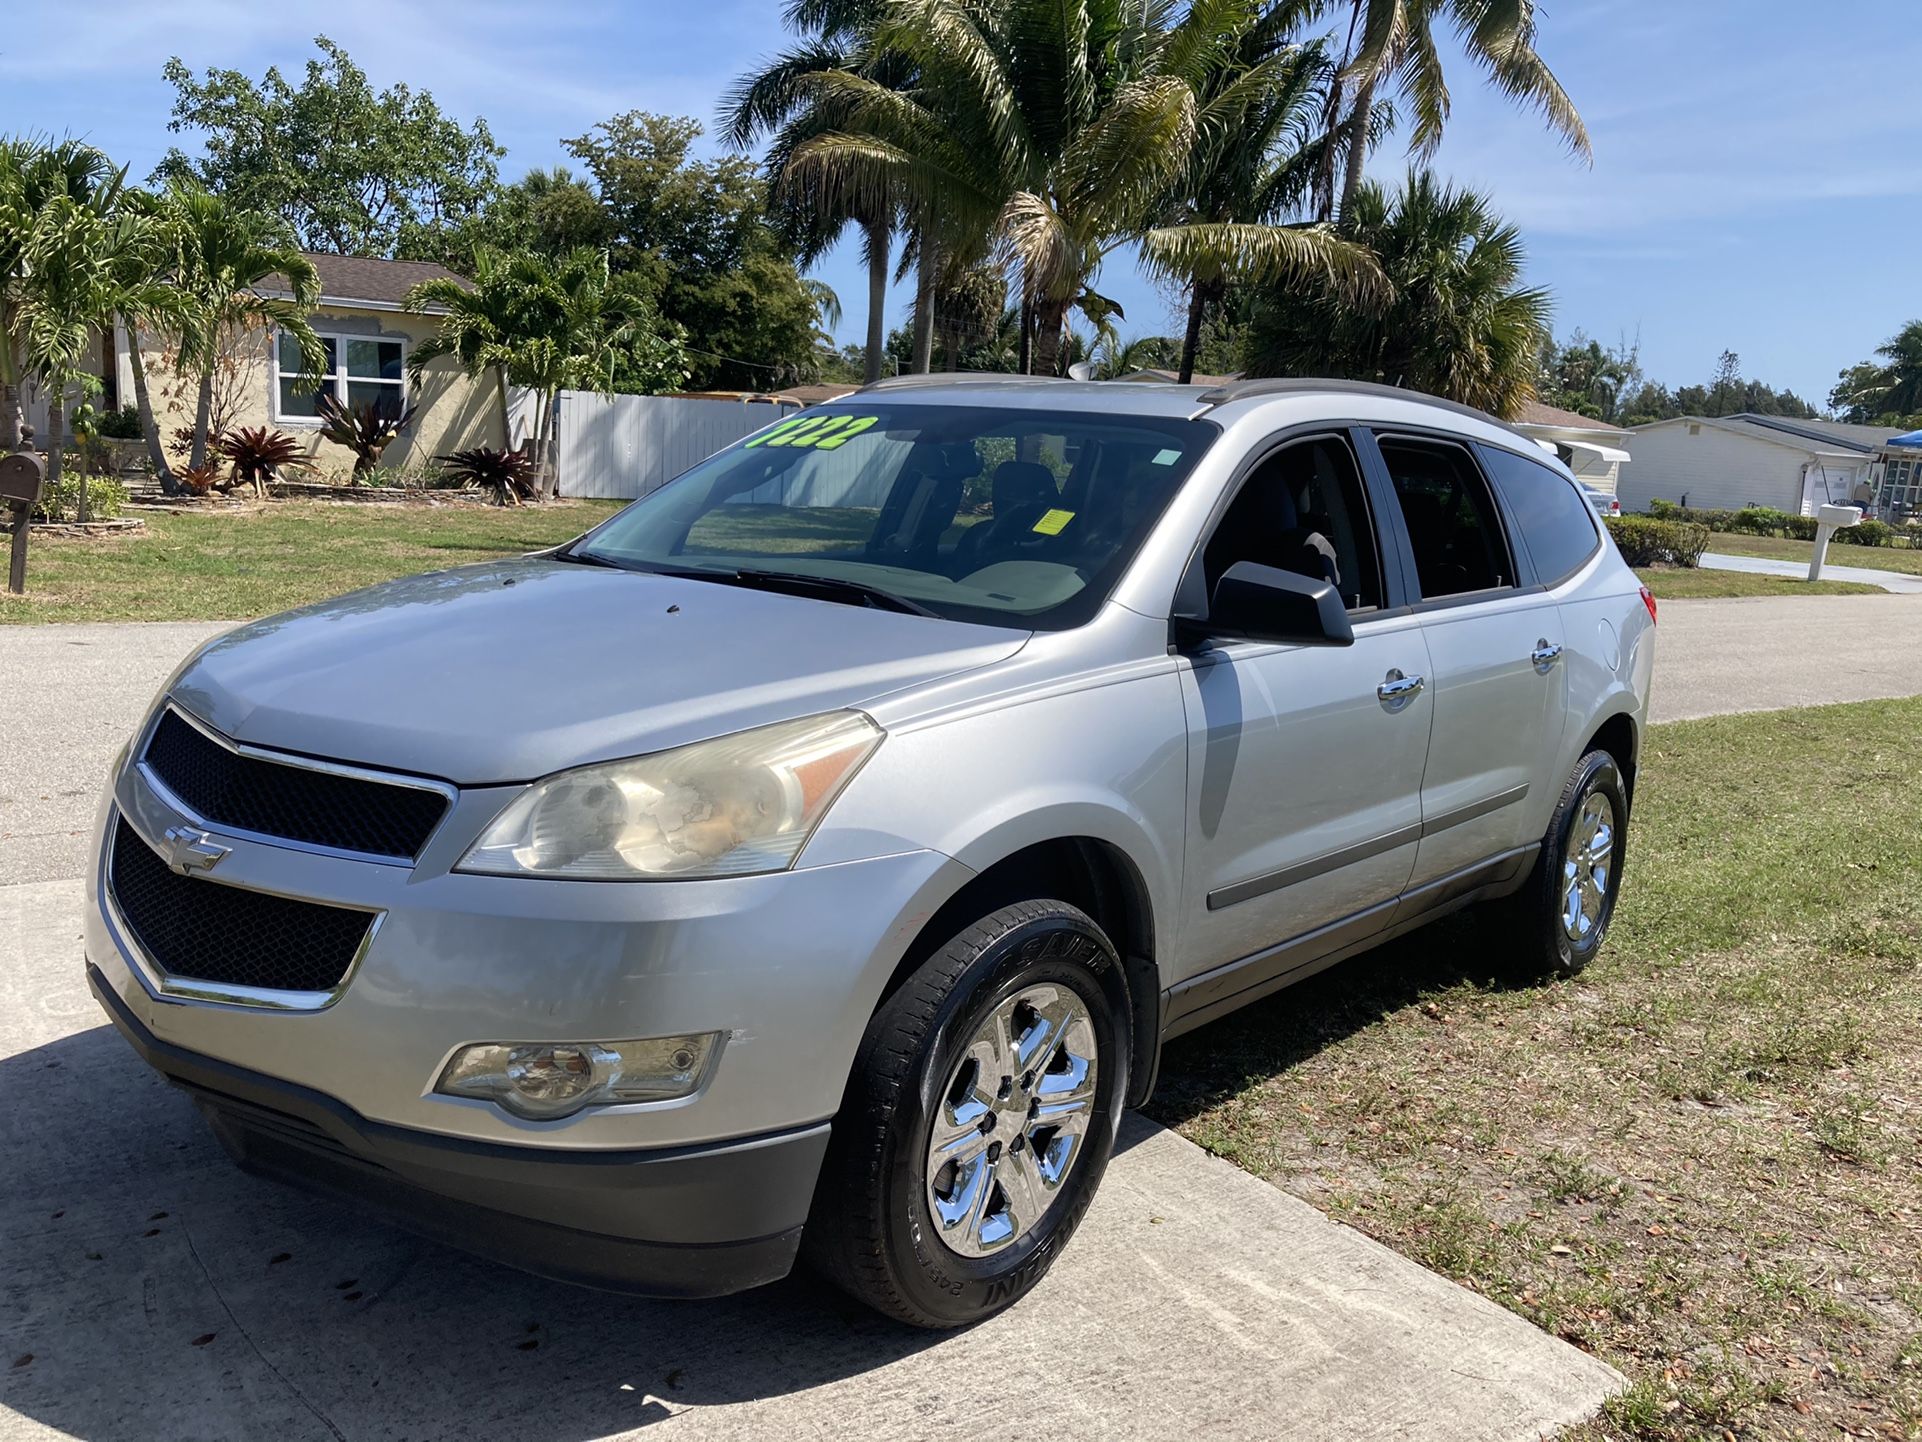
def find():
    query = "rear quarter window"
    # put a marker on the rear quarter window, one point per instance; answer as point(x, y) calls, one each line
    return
point(1556, 521)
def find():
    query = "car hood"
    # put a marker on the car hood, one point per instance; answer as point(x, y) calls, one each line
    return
point(510, 670)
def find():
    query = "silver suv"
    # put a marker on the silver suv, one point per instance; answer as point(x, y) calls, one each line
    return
point(815, 856)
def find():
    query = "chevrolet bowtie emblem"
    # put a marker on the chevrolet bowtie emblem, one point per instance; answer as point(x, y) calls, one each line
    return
point(189, 850)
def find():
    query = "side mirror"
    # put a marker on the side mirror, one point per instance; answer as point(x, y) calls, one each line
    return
point(1261, 603)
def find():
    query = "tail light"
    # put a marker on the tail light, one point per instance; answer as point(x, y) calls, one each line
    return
point(1648, 600)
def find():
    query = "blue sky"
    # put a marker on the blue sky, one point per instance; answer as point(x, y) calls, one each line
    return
point(1757, 183)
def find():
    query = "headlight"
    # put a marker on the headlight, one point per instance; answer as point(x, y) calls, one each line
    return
point(727, 807)
point(545, 1081)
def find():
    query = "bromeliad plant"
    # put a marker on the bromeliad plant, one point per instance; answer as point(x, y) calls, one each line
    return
point(365, 430)
point(512, 476)
point(258, 455)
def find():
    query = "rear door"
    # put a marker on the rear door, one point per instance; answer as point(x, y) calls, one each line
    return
point(1494, 641)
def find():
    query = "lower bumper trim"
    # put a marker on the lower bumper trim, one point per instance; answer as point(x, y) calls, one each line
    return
point(676, 1222)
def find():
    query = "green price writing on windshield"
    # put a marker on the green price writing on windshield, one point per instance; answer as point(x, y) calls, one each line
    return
point(821, 433)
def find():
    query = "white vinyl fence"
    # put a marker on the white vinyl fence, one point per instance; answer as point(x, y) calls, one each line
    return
point(626, 446)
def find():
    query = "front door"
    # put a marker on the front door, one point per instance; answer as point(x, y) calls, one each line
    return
point(1304, 762)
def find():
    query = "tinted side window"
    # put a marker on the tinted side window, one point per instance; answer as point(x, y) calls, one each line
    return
point(1555, 520)
point(1303, 510)
point(1453, 526)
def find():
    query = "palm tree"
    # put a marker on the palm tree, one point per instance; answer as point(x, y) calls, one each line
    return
point(1255, 164)
point(1458, 325)
point(546, 325)
point(1885, 394)
point(34, 174)
point(1395, 42)
point(1045, 128)
point(779, 101)
point(221, 255)
point(90, 261)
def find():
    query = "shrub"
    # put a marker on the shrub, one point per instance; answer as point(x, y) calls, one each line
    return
point(259, 454)
point(197, 480)
point(106, 499)
point(1867, 533)
point(510, 475)
point(1749, 520)
point(1654, 541)
point(120, 425)
point(365, 430)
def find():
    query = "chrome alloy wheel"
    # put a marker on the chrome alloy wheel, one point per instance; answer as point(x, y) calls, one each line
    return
point(1586, 865)
point(1011, 1120)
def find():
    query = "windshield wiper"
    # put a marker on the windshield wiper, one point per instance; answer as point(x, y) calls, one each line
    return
point(585, 558)
point(829, 588)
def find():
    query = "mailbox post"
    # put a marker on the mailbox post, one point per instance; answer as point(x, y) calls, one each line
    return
point(1827, 520)
point(22, 477)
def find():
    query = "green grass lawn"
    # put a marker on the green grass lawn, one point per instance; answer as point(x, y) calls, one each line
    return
point(1877, 558)
point(1702, 1160)
point(1675, 583)
point(231, 565)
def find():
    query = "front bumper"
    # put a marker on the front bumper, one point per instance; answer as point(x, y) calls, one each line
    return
point(787, 967)
point(676, 1222)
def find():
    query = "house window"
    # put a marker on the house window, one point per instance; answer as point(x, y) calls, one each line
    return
point(359, 371)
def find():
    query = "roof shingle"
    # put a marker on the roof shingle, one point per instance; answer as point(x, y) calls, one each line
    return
point(364, 278)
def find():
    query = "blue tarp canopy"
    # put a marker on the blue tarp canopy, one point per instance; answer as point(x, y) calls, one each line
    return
point(1913, 438)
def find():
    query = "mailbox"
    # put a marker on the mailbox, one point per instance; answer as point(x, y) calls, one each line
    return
point(1827, 519)
point(23, 476)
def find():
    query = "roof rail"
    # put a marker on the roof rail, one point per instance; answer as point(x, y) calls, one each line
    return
point(1303, 385)
point(938, 378)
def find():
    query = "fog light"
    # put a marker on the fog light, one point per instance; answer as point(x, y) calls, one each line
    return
point(546, 1080)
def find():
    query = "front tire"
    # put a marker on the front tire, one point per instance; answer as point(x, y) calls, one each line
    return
point(978, 1121)
point(1557, 922)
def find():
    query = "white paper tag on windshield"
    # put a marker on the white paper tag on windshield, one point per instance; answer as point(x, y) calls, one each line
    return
point(1167, 458)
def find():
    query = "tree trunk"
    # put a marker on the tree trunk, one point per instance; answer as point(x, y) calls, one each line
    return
point(507, 420)
point(56, 447)
point(1049, 318)
point(203, 415)
point(11, 416)
point(143, 404)
point(877, 253)
point(1025, 365)
point(924, 310)
point(1191, 338)
point(1357, 150)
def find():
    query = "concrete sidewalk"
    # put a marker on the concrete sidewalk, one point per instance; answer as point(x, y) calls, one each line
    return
point(1893, 581)
point(162, 1294)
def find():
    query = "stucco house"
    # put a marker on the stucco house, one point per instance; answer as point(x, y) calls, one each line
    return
point(1594, 450)
point(1752, 460)
point(367, 334)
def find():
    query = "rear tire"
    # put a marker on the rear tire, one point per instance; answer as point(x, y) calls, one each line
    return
point(1556, 923)
point(979, 1118)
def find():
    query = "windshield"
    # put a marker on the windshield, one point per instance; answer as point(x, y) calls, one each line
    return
point(976, 513)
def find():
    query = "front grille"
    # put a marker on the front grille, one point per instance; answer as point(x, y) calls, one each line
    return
point(297, 802)
point(203, 931)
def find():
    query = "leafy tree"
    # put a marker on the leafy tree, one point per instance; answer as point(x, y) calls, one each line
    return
point(1396, 42)
point(350, 169)
point(698, 236)
point(547, 212)
point(1886, 392)
point(550, 326)
point(1581, 375)
point(1459, 323)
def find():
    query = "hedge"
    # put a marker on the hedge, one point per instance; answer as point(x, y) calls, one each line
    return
point(1767, 521)
point(1652, 541)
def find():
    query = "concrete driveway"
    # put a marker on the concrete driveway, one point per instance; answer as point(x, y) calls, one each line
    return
point(153, 1292)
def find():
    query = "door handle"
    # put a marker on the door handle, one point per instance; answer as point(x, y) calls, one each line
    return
point(1398, 688)
point(1545, 653)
